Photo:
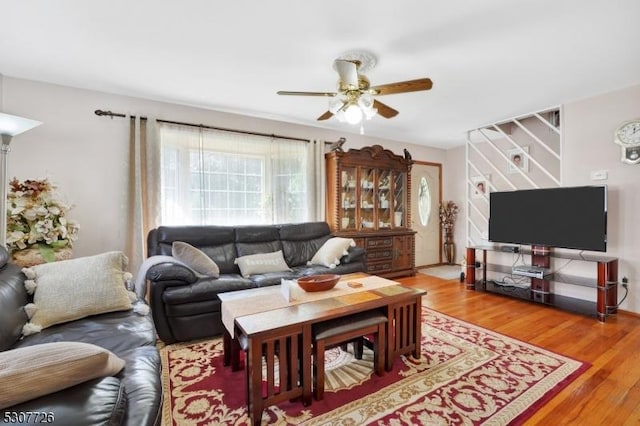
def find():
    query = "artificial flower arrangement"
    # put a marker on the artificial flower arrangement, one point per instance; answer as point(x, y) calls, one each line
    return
point(37, 218)
point(448, 213)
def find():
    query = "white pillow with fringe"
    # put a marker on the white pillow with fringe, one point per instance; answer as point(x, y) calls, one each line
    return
point(331, 251)
point(72, 289)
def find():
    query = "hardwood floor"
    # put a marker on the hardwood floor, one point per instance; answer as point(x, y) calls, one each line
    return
point(608, 393)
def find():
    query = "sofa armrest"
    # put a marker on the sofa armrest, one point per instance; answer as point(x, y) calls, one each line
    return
point(161, 277)
point(143, 385)
point(354, 254)
point(171, 272)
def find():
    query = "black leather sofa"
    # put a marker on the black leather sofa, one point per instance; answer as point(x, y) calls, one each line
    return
point(186, 307)
point(133, 397)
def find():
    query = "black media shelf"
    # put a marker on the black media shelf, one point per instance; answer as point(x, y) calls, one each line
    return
point(540, 291)
point(570, 304)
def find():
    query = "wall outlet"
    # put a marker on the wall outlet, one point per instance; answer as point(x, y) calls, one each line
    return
point(599, 174)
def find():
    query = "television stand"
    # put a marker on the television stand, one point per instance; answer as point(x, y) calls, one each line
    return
point(605, 284)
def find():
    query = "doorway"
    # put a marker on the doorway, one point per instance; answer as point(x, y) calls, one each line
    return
point(426, 187)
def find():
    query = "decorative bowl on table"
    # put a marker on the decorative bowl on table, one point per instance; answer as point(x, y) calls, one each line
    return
point(321, 282)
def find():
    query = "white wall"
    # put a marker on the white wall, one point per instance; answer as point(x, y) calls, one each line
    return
point(454, 188)
point(588, 126)
point(87, 155)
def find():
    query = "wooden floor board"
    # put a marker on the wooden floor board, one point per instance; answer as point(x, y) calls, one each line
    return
point(608, 393)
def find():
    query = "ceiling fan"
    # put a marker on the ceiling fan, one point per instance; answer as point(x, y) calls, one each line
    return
point(355, 96)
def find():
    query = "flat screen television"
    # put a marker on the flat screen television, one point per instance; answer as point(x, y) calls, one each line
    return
point(568, 217)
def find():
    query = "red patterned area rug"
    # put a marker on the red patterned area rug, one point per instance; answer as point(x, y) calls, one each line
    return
point(467, 375)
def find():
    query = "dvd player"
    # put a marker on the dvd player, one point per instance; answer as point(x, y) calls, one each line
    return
point(530, 271)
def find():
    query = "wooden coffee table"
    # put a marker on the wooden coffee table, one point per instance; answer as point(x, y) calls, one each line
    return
point(280, 331)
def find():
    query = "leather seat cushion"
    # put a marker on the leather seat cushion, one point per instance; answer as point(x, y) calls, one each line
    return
point(96, 402)
point(205, 289)
point(118, 332)
point(272, 278)
point(343, 268)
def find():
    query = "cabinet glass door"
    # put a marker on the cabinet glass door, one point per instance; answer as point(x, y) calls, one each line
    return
point(367, 198)
point(399, 199)
point(348, 198)
point(384, 199)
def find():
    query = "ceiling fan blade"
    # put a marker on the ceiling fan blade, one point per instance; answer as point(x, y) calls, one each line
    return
point(328, 94)
point(327, 115)
point(402, 87)
point(384, 110)
point(348, 72)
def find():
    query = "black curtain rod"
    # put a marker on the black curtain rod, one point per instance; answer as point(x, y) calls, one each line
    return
point(100, 113)
point(202, 126)
point(111, 114)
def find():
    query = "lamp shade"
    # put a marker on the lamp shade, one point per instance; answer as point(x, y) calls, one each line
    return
point(12, 125)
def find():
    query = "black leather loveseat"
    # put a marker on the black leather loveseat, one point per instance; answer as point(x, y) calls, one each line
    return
point(132, 397)
point(187, 307)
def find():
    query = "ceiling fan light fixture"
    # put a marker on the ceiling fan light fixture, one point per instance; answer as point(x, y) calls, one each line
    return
point(369, 113)
point(353, 114)
point(365, 101)
point(335, 104)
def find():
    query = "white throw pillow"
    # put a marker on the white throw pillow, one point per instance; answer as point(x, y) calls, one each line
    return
point(72, 289)
point(331, 251)
point(260, 263)
point(33, 371)
point(195, 259)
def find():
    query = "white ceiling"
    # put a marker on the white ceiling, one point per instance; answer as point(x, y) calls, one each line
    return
point(489, 59)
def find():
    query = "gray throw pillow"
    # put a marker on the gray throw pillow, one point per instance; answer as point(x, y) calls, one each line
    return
point(195, 259)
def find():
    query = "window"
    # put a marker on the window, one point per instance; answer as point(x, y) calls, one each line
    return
point(424, 201)
point(225, 178)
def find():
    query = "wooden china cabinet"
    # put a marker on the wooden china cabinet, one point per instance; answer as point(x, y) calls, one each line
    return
point(369, 200)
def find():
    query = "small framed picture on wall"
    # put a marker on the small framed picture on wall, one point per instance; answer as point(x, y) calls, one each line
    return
point(518, 160)
point(480, 186)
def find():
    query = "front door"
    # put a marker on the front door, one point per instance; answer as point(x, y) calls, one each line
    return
point(425, 202)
